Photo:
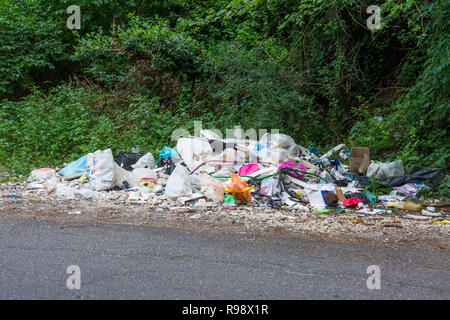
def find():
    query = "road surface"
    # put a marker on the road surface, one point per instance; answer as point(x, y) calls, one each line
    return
point(129, 262)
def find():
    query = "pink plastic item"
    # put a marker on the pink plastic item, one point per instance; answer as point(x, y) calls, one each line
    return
point(352, 202)
point(291, 165)
point(248, 168)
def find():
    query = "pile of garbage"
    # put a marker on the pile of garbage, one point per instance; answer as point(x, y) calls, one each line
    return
point(274, 172)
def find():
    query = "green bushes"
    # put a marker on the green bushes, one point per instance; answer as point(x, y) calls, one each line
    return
point(30, 41)
point(251, 89)
point(110, 57)
point(415, 129)
point(140, 70)
point(66, 123)
point(45, 130)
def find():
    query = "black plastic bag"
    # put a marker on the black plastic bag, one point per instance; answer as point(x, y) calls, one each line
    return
point(358, 195)
point(417, 174)
point(168, 164)
point(126, 160)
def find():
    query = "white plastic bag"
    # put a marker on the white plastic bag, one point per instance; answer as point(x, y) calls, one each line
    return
point(145, 175)
point(179, 183)
point(382, 171)
point(193, 151)
point(274, 156)
point(146, 161)
point(41, 174)
point(124, 179)
point(101, 169)
point(230, 155)
point(209, 134)
point(279, 140)
point(50, 184)
point(269, 187)
point(65, 192)
point(212, 187)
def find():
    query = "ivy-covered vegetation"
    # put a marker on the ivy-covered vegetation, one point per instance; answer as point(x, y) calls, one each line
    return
point(137, 70)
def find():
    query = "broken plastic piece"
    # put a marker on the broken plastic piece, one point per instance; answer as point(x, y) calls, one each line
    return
point(248, 168)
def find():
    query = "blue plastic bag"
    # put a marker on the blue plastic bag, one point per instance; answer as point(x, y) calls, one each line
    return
point(335, 163)
point(259, 147)
point(314, 150)
point(167, 152)
point(77, 166)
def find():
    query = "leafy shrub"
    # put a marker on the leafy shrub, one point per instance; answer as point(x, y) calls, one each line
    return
point(249, 88)
point(416, 127)
point(110, 56)
point(309, 68)
point(49, 130)
point(30, 40)
point(45, 130)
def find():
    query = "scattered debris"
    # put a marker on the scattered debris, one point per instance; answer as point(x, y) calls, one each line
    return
point(443, 222)
point(209, 173)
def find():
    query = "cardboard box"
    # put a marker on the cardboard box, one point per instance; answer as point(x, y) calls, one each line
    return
point(359, 160)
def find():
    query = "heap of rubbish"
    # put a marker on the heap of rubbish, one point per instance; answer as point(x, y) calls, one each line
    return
point(274, 172)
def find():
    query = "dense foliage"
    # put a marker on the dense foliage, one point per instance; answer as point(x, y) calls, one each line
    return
point(137, 70)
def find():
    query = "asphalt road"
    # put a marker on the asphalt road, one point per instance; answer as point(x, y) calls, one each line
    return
point(124, 262)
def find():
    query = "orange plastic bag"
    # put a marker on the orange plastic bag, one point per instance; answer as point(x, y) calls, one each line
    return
point(239, 189)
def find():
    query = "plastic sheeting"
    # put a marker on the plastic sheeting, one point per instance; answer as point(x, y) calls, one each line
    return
point(417, 174)
point(382, 171)
point(125, 160)
point(77, 166)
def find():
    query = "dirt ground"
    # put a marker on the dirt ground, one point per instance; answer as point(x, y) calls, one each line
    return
point(386, 229)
